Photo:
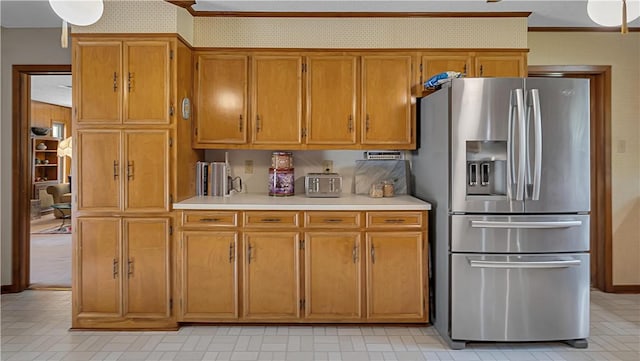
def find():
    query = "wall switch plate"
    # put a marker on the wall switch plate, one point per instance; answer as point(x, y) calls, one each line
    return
point(248, 166)
point(327, 166)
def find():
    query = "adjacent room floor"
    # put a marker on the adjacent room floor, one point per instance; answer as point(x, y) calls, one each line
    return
point(50, 253)
point(35, 327)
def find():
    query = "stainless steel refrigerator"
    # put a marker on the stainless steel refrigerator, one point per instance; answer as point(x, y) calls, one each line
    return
point(505, 163)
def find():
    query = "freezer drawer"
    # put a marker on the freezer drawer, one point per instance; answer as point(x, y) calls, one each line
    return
point(519, 297)
point(520, 234)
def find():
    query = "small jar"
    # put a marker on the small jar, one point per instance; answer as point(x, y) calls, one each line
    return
point(387, 189)
point(376, 190)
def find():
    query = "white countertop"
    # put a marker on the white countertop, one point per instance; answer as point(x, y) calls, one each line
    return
point(347, 202)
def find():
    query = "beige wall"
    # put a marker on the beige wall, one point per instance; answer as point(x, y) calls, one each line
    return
point(622, 52)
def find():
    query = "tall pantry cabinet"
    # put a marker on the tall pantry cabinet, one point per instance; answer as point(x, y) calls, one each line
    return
point(132, 137)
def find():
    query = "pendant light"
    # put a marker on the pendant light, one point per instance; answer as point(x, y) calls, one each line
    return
point(76, 12)
point(614, 12)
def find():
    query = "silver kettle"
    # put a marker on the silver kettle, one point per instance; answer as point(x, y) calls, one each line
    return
point(222, 184)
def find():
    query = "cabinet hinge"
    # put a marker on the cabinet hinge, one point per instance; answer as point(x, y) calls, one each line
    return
point(171, 110)
point(302, 244)
point(304, 132)
point(304, 67)
point(302, 304)
point(171, 230)
point(171, 54)
point(420, 67)
point(170, 142)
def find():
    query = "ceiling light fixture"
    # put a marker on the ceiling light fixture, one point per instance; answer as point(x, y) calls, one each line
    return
point(614, 12)
point(76, 12)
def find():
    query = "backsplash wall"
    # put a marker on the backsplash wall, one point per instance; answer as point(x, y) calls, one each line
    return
point(307, 161)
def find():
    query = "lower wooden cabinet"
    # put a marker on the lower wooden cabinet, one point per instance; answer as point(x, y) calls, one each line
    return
point(395, 276)
point(333, 276)
point(271, 275)
point(346, 267)
point(123, 273)
point(209, 273)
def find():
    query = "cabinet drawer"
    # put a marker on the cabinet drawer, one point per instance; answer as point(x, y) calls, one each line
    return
point(395, 219)
point(271, 219)
point(209, 219)
point(332, 219)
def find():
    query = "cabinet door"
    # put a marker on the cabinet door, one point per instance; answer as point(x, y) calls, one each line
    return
point(221, 99)
point(146, 266)
point(433, 64)
point(209, 267)
point(97, 82)
point(331, 116)
point(99, 170)
point(97, 268)
point(271, 288)
point(146, 170)
point(277, 99)
point(386, 95)
point(147, 82)
point(395, 276)
point(332, 275)
point(500, 65)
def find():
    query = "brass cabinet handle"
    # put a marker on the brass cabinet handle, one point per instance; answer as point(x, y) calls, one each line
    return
point(394, 220)
point(333, 220)
point(355, 252)
point(115, 268)
point(350, 123)
point(129, 81)
point(209, 219)
point(240, 125)
point(271, 220)
point(367, 123)
point(130, 268)
point(115, 81)
point(115, 170)
point(130, 169)
point(231, 251)
point(249, 253)
point(373, 253)
point(257, 123)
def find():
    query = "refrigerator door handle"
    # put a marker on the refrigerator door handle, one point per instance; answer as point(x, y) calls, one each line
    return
point(524, 224)
point(511, 146)
point(561, 263)
point(537, 132)
point(520, 185)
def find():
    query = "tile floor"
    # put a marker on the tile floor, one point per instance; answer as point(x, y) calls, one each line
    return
point(35, 327)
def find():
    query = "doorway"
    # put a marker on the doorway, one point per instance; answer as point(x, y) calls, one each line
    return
point(22, 170)
point(600, 102)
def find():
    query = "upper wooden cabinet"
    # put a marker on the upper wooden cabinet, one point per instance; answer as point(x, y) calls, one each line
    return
point(122, 82)
point(331, 113)
point(276, 99)
point(474, 63)
point(500, 65)
point(386, 100)
point(221, 99)
point(436, 63)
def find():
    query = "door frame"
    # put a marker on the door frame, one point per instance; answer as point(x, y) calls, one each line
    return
point(601, 212)
point(21, 170)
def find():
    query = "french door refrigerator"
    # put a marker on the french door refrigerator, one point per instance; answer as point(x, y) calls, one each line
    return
point(505, 163)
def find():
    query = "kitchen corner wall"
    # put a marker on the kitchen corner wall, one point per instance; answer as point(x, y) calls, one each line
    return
point(622, 52)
